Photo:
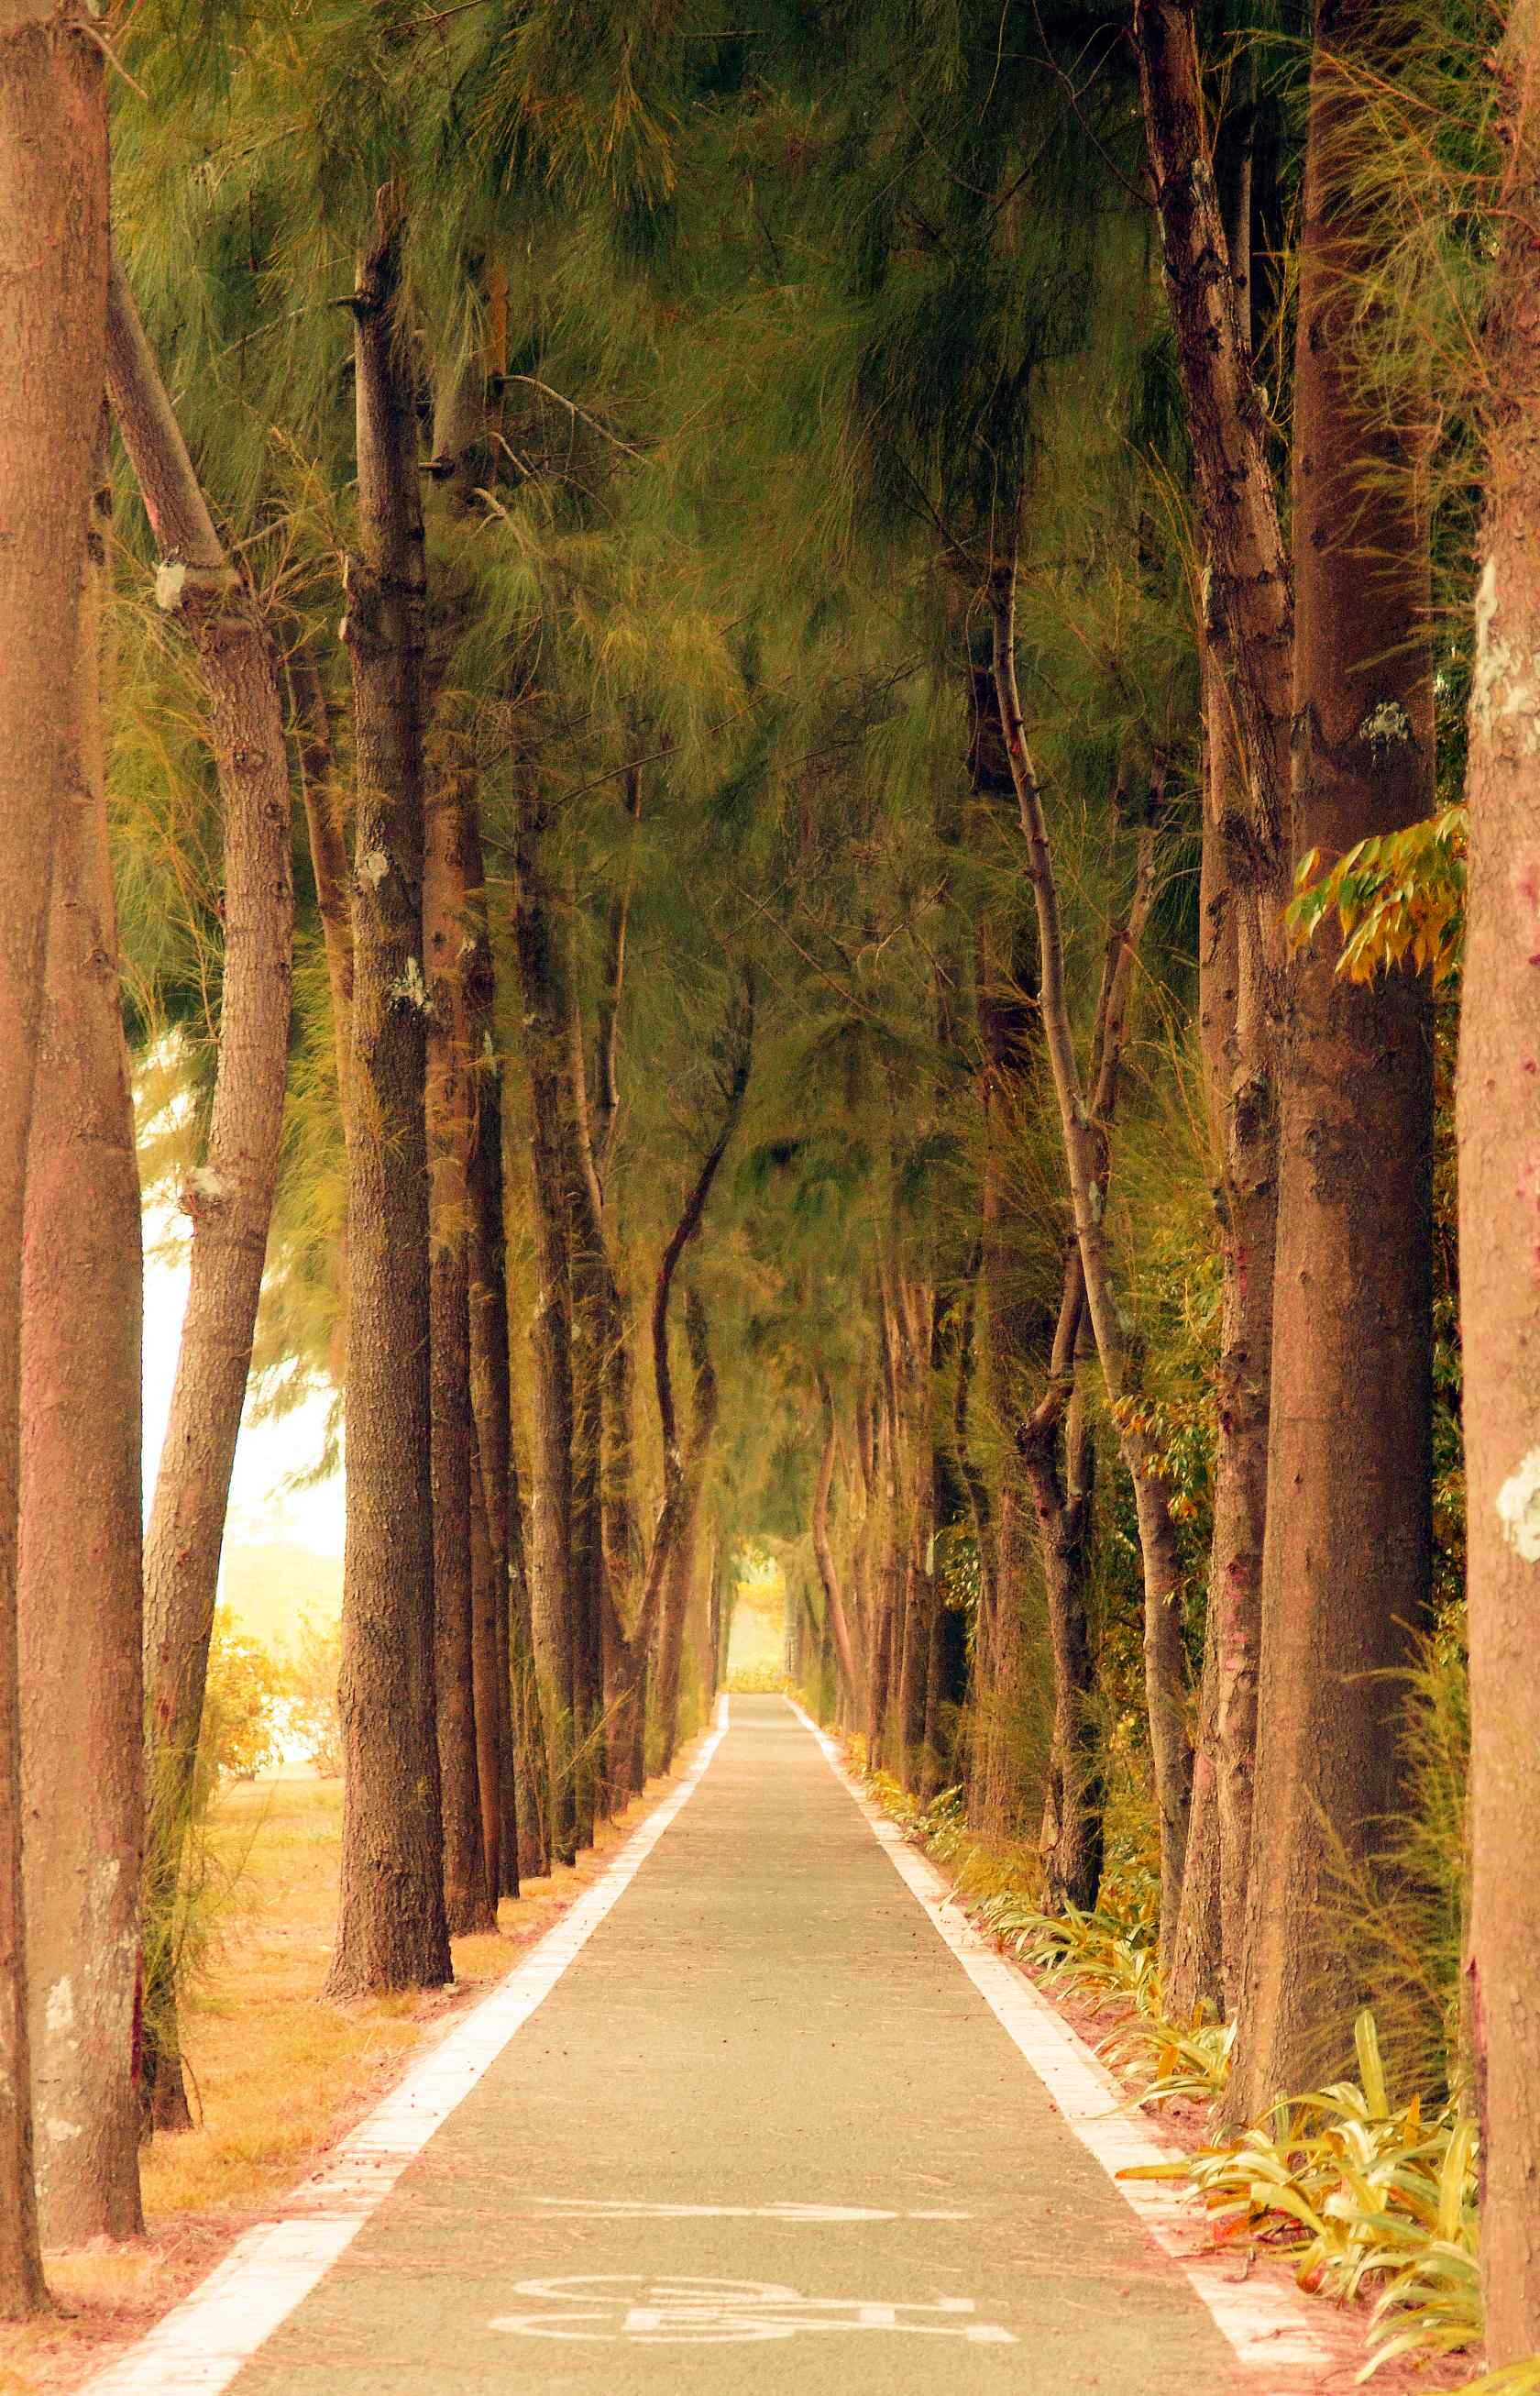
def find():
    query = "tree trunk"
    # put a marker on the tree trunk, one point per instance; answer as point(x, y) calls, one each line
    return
point(505, 1754)
point(713, 1629)
point(1239, 1044)
point(618, 1572)
point(1347, 1565)
point(487, 1670)
point(881, 1675)
point(491, 1566)
point(845, 1646)
point(326, 832)
point(676, 1595)
point(724, 1631)
point(1007, 1758)
point(984, 1516)
point(468, 1300)
point(861, 1610)
point(470, 1898)
point(53, 246)
point(525, 1821)
point(670, 1639)
point(1237, 1017)
point(1248, 644)
point(1499, 1259)
point(391, 1931)
point(1084, 1154)
point(228, 1198)
point(79, 1589)
point(698, 1623)
point(625, 1655)
point(531, 1818)
point(935, 1762)
point(677, 1494)
point(591, 1287)
point(1249, 604)
point(546, 1013)
point(593, 1315)
point(613, 1563)
point(1006, 1775)
point(1070, 1840)
point(918, 1343)
point(1193, 1980)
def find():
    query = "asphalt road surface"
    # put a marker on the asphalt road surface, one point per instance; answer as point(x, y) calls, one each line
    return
point(762, 2136)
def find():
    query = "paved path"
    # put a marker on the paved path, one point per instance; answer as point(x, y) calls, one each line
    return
point(763, 2134)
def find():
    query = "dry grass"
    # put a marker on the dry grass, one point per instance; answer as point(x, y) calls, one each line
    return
point(279, 2076)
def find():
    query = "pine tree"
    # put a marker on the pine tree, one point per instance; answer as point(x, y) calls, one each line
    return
point(53, 188)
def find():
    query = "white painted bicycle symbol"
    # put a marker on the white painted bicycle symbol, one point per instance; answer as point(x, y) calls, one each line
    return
point(724, 2312)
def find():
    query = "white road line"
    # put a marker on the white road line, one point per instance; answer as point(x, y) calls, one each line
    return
point(1279, 2339)
point(198, 2349)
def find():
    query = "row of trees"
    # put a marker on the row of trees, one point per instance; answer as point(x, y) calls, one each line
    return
point(725, 642)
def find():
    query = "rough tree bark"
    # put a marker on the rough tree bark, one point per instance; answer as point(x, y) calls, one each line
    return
point(681, 1554)
point(852, 1684)
point(1248, 639)
point(327, 831)
point(1499, 1251)
point(1251, 604)
point(470, 1895)
point(1005, 1761)
point(487, 1669)
point(535, 1828)
point(916, 1485)
point(1192, 1983)
point(53, 257)
point(328, 815)
point(624, 1654)
point(228, 1198)
point(591, 1319)
point(982, 1512)
point(676, 1496)
point(1061, 1472)
point(702, 1614)
point(714, 1612)
point(1058, 1457)
point(465, 1591)
point(1347, 1564)
point(545, 1011)
point(510, 1751)
point(79, 1587)
point(623, 1660)
point(390, 1927)
point(1237, 1019)
point(864, 1563)
point(1165, 1664)
point(503, 1741)
point(887, 1593)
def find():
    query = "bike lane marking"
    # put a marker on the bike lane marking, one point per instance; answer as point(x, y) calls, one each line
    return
point(202, 2343)
point(687, 2311)
point(1275, 2334)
